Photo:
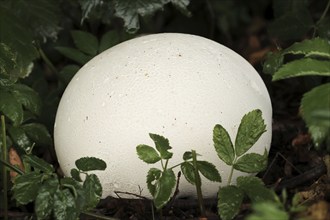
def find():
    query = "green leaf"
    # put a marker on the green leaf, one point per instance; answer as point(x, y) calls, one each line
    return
point(64, 205)
point(182, 5)
point(93, 190)
point(251, 128)
point(90, 6)
point(26, 187)
point(303, 67)
point(292, 25)
point(152, 179)
point(147, 154)
point(251, 163)
point(223, 145)
point(273, 62)
point(109, 39)
point(41, 16)
point(20, 138)
point(164, 188)
point(67, 73)
point(162, 145)
point(38, 163)
point(229, 201)
point(77, 189)
point(129, 11)
point(21, 44)
point(90, 163)
point(315, 109)
point(187, 155)
point(267, 210)
point(188, 171)
point(316, 47)
point(85, 42)
point(75, 174)
point(209, 171)
point(27, 97)
point(38, 133)
point(7, 59)
point(255, 189)
point(44, 202)
point(74, 54)
point(10, 107)
point(323, 28)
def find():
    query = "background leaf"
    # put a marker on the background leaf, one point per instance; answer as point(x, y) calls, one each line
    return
point(27, 97)
point(67, 73)
point(147, 154)
point(209, 171)
point(38, 133)
point(251, 163)
point(229, 201)
point(252, 126)
point(109, 39)
point(10, 107)
point(162, 145)
point(303, 67)
point(223, 145)
point(85, 42)
point(90, 163)
point(20, 138)
point(315, 109)
point(38, 163)
point(74, 54)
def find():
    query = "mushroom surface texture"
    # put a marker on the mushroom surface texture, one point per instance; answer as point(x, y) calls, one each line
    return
point(175, 85)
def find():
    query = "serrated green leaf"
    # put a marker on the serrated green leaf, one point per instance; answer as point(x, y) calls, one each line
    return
point(152, 179)
point(26, 187)
point(85, 42)
point(273, 62)
point(44, 202)
point(109, 39)
point(75, 174)
point(10, 107)
point(38, 133)
point(93, 191)
point(164, 188)
point(315, 108)
point(267, 210)
point(129, 11)
point(252, 126)
point(297, 23)
point(303, 67)
point(251, 163)
point(229, 201)
point(316, 47)
point(67, 73)
point(90, 163)
point(64, 205)
point(255, 189)
point(223, 145)
point(147, 154)
point(20, 138)
point(41, 16)
point(7, 59)
point(209, 171)
point(187, 155)
point(188, 171)
point(27, 97)
point(38, 163)
point(162, 145)
point(74, 54)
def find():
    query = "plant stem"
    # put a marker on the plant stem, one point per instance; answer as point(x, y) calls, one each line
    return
point(4, 168)
point(324, 13)
point(47, 61)
point(96, 216)
point(231, 172)
point(17, 170)
point(198, 185)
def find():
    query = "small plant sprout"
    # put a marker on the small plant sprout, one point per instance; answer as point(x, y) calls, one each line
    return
point(230, 197)
point(161, 182)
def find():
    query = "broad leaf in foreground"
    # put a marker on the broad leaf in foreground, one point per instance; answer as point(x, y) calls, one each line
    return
point(316, 47)
point(147, 154)
point(164, 188)
point(93, 190)
point(64, 205)
point(209, 171)
point(229, 201)
point(162, 145)
point(252, 162)
point(223, 144)
point(152, 179)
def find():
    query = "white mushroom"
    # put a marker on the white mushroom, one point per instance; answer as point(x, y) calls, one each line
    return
point(175, 85)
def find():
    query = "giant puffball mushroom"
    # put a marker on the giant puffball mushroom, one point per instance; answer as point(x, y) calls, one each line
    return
point(175, 85)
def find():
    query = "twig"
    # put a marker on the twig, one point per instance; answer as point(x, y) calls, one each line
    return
point(198, 185)
point(97, 216)
point(132, 194)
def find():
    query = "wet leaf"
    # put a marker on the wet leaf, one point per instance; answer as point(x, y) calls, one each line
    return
point(90, 163)
point(85, 42)
point(252, 126)
point(164, 188)
point(162, 145)
point(251, 163)
point(229, 201)
point(147, 154)
point(223, 145)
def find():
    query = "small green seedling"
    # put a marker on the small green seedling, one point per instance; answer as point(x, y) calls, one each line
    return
point(230, 197)
point(161, 182)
